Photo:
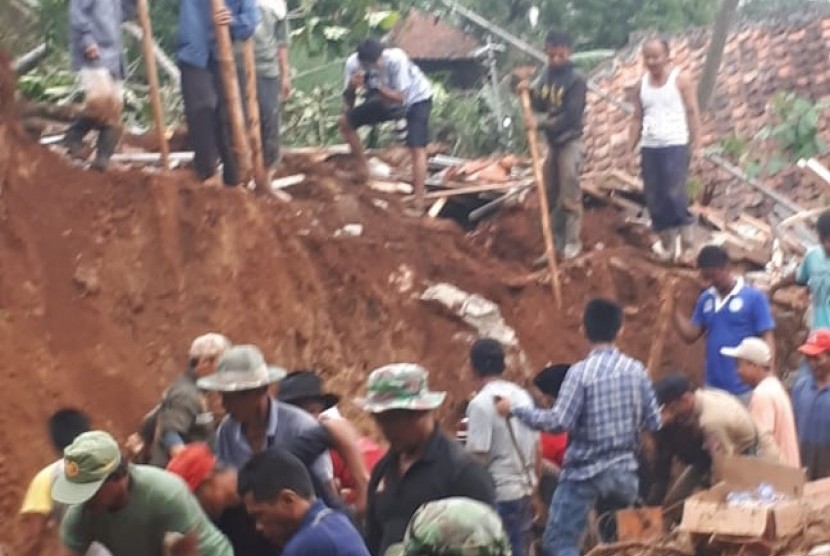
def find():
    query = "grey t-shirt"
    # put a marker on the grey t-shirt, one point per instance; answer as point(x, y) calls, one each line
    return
point(487, 433)
point(397, 72)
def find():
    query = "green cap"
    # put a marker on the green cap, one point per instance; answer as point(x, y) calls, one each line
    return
point(399, 386)
point(87, 463)
point(453, 527)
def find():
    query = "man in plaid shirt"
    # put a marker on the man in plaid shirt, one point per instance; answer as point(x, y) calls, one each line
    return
point(605, 403)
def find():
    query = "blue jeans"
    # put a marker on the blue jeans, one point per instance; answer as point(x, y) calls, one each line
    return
point(572, 502)
point(517, 517)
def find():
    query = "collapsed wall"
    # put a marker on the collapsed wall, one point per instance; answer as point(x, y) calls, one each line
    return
point(105, 279)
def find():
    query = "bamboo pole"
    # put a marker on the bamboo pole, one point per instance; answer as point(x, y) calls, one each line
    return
point(153, 80)
point(254, 126)
point(655, 354)
point(230, 82)
point(533, 141)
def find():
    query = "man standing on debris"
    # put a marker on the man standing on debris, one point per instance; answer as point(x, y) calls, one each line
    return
point(97, 55)
point(273, 75)
point(130, 509)
point(278, 494)
point(811, 404)
point(183, 415)
point(205, 100)
point(727, 426)
point(814, 274)
point(394, 88)
point(509, 449)
point(560, 93)
point(255, 422)
point(666, 125)
point(605, 404)
point(422, 464)
point(770, 404)
point(727, 312)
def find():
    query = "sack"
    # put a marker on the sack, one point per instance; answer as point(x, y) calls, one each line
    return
point(103, 96)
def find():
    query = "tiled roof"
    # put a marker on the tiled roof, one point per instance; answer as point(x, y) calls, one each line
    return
point(760, 60)
point(424, 36)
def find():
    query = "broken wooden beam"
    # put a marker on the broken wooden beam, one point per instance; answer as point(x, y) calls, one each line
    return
point(616, 200)
point(287, 181)
point(475, 189)
point(391, 186)
point(488, 208)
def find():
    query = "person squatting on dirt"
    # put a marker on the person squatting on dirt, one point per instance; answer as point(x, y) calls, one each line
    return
point(606, 402)
point(508, 448)
point(393, 88)
point(560, 94)
point(130, 509)
point(666, 125)
point(98, 56)
point(205, 102)
point(273, 75)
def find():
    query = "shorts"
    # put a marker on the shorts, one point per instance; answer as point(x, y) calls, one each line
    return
point(374, 112)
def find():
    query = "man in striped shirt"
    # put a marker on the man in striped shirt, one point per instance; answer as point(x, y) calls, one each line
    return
point(606, 402)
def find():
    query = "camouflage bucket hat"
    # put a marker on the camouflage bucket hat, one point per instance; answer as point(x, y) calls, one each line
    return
point(453, 527)
point(399, 386)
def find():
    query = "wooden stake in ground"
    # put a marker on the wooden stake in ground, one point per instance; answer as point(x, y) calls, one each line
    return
point(533, 141)
point(153, 80)
point(655, 355)
point(227, 68)
point(252, 102)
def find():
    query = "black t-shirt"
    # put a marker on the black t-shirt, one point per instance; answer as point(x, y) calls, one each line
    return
point(443, 471)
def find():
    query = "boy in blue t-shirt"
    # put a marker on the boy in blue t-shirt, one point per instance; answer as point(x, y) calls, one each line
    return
point(727, 312)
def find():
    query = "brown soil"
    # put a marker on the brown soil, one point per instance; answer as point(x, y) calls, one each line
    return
point(106, 278)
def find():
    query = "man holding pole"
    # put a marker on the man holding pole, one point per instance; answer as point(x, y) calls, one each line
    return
point(560, 94)
point(205, 100)
point(273, 76)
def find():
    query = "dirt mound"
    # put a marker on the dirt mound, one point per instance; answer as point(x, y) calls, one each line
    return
point(106, 278)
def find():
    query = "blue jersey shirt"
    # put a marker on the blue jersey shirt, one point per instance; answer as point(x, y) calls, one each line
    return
point(325, 532)
point(814, 273)
point(811, 407)
point(745, 312)
point(196, 44)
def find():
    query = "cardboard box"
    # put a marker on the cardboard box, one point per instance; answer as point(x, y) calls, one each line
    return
point(708, 513)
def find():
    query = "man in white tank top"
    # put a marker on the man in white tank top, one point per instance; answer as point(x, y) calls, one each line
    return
point(666, 125)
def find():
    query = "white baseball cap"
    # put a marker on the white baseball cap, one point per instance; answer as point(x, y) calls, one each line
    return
point(754, 350)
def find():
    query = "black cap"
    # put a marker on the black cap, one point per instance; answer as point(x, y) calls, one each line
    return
point(549, 380)
point(672, 387)
point(305, 385)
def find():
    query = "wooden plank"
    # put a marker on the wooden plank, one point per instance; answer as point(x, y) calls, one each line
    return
point(437, 207)
point(616, 200)
point(655, 354)
point(475, 189)
point(287, 181)
point(153, 81)
point(388, 186)
point(254, 124)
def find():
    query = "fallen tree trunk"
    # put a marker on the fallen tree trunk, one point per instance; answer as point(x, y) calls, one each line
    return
point(29, 61)
point(167, 65)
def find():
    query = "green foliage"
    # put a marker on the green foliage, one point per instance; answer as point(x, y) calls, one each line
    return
point(310, 116)
point(755, 9)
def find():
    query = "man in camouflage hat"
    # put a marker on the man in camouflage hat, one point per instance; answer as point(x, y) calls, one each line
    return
point(422, 464)
point(453, 527)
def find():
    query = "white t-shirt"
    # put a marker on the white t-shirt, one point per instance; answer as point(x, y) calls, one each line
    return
point(487, 432)
point(397, 72)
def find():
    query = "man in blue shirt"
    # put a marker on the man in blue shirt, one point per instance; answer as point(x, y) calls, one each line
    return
point(205, 104)
point(606, 402)
point(276, 489)
point(727, 312)
point(811, 406)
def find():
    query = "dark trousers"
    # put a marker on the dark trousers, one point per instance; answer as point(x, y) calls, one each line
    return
point(665, 171)
point(107, 136)
point(561, 173)
point(517, 517)
point(208, 124)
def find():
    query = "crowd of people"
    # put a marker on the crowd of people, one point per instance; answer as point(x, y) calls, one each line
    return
point(238, 455)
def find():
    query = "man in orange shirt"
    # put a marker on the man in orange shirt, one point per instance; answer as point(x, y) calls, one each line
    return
point(770, 404)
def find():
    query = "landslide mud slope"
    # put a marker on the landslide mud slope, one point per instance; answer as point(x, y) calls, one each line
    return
point(105, 279)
